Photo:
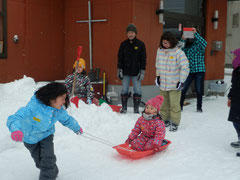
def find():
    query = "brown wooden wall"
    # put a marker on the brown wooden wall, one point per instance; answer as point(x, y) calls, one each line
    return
point(40, 51)
point(49, 36)
point(107, 36)
point(215, 63)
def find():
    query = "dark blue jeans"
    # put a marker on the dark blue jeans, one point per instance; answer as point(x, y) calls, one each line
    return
point(236, 125)
point(198, 82)
point(136, 85)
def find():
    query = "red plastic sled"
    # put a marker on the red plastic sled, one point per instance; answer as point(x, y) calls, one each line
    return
point(126, 150)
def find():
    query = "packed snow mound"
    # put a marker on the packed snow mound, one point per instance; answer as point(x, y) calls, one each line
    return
point(18, 89)
point(200, 148)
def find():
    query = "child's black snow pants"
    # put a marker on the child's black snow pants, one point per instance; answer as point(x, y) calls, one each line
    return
point(44, 157)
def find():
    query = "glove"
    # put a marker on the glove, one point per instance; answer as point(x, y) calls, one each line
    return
point(89, 101)
point(128, 141)
point(120, 74)
point(141, 75)
point(157, 81)
point(180, 86)
point(80, 131)
point(156, 148)
point(229, 103)
point(17, 136)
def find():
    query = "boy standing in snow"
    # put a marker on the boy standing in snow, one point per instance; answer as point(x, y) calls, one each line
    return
point(234, 97)
point(149, 130)
point(35, 126)
point(83, 88)
point(131, 66)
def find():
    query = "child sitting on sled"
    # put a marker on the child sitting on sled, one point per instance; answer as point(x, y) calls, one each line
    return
point(83, 89)
point(149, 130)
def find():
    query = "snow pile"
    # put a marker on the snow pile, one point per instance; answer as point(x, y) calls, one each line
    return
point(200, 149)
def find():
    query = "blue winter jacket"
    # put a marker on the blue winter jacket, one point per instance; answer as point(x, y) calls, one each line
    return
point(37, 121)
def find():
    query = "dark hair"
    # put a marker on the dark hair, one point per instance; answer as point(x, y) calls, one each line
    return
point(189, 42)
point(169, 37)
point(50, 92)
point(83, 71)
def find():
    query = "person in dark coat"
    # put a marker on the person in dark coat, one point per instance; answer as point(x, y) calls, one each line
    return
point(234, 97)
point(131, 66)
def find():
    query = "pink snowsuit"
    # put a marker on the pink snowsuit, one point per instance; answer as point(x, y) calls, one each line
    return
point(147, 134)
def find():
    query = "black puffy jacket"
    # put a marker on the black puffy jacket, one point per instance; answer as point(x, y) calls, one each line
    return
point(132, 57)
point(234, 95)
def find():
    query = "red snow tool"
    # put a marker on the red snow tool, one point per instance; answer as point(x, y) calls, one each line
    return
point(126, 150)
point(79, 52)
point(115, 108)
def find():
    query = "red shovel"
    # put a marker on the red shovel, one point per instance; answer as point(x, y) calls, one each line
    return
point(79, 52)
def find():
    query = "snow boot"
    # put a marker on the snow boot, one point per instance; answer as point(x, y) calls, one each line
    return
point(236, 144)
point(167, 123)
point(124, 98)
point(136, 102)
point(173, 127)
point(199, 110)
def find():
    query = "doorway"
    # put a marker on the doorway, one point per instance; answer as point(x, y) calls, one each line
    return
point(184, 13)
point(233, 29)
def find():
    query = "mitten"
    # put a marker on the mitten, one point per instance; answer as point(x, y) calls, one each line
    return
point(120, 74)
point(141, 75)
point(89, 101)
point(156, 148)
point(157, 81)
point(17, 136)
point(229, 103)
point(80, 131)
point(179, 86)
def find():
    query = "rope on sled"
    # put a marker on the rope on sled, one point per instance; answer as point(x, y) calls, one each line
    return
point(102, 141)
point(95, 138)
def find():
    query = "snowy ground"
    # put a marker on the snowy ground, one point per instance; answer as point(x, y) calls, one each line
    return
point(200, 150)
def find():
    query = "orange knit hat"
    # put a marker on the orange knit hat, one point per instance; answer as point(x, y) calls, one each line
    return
point(81, 63)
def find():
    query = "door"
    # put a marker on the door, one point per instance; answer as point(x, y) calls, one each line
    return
point(184, 13)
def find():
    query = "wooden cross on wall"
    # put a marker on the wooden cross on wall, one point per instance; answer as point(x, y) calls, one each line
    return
point(89, 21)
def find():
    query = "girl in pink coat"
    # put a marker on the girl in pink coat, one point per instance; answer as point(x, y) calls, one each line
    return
point(149, 130)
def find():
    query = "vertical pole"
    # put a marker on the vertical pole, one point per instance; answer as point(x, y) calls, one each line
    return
point(90, 33)
point(104, 84)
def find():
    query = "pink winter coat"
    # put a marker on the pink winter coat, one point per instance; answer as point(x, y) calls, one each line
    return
point(147, 134)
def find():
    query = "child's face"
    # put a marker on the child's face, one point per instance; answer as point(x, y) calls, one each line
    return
point(166, 44)
point(234, 56)
point(58, 102)
point(79, 69)
point(150, 109)
point(131, 35)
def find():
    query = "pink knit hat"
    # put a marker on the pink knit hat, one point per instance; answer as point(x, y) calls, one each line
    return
point(156, 102)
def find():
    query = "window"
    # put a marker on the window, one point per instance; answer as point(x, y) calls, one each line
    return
point(189, 7)
point(3, 28)
point(235, 22)
point(184, 13)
